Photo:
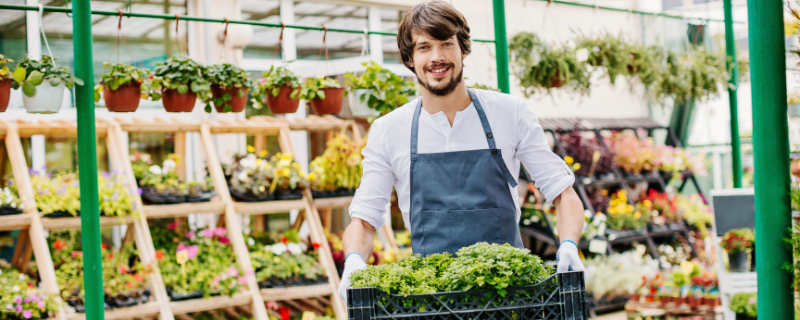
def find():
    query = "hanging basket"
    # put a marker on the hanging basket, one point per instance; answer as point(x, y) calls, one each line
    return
point(282, 104)
point(5, 94)
point(358, 108)
point(332, 104)
point(47, 99)
point(236, 102)
point(124, 99)
point(174, 101)
point(555, 81)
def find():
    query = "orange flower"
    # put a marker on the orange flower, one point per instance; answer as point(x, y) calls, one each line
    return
point(159, 254)
point(103, 246)
point(138, 276)
point(59, 244)
point(122, 268)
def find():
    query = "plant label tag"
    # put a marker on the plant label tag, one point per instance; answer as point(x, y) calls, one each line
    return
point(598, 246)
point(582, 54)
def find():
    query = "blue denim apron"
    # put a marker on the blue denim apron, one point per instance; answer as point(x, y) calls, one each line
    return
point(460, 198)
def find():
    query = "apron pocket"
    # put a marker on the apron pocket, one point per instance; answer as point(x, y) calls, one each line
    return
point(449, 231)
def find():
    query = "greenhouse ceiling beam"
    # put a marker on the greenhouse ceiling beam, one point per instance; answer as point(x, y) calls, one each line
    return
point(730, 49)
point(87, 160)
point(647, 13)
point(190, 18)
point(773, 218)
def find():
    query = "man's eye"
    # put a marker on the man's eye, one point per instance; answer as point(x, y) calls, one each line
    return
point(422, 48)
point(448, 44)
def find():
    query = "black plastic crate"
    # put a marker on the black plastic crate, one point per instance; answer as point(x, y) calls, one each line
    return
point(559, 297)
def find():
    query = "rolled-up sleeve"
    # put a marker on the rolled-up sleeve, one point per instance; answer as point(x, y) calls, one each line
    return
point(550, 173)
point(369, 203)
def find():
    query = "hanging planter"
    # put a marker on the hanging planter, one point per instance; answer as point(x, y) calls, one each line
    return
point(541, 68)
point(280, 90)
point(180, 80)
point(121, 87)
point(42, 84)
point(229, 87)
point(325, 95)
point(377, 91)
point(6, 81)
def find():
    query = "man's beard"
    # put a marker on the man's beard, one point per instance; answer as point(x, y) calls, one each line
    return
point(443, 91)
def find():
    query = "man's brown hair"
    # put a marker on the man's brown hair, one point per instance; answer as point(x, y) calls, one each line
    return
point(437, 19)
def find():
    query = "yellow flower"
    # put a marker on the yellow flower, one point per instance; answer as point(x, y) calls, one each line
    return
point(637, 215)
point(576, 167)
point(251, 149)
point(182, 256)
point(629, 208)
point(267, 166)
point(296, 165)
point(263, 153)
point(312, 176)
point(301, 174)
point(647, 203)
point(568, 160)
point(286, 156)
point(286, 172)
point(604, 192)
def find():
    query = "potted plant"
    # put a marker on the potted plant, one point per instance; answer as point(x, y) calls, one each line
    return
point(161, 185)
point(280, 90)
point(6, 81)
point(541, 68)
point(738, 243)
point(589, 156)
point(22, 298)
point(249, 177)
point(608, 52)
point(623, 216)
point(229, 87)
point(651, 286)
point(337, 172)
point(288, 179)
point(10, 202)
point(644, 64)
point(282, 260)
point(122, 87)
point(42, 84)
point(377, 91)
point(696, 75)
point(324, 94)
point(179, 81)
point(56, 195)
point(745, 305)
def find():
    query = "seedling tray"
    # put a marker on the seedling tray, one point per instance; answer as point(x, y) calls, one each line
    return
point(560, 297)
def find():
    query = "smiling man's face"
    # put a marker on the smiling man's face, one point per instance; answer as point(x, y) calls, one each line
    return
point(438, 64)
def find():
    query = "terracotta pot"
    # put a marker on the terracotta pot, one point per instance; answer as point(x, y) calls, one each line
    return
point(236, 102)
point(174, 101)
point(555, 81)
point(282, 103)
point(650, 298)
point(694, 303)
point(679, 301)
point(332, 104)
point(124, 99)
point(713, 303)
point(635, 297)
point(5, 94)
point(665, 300)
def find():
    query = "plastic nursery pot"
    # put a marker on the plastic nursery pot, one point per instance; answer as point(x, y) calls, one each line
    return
point(332, 104)
point(358, 108)
point(282, 103)
point(5, 94)
point(47, 99)
point(174, 101)
point(738, 262)
point(236, 102)
point(124, 99)
point(650, 298)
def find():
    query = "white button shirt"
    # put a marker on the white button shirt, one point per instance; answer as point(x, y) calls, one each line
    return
point(516, 131)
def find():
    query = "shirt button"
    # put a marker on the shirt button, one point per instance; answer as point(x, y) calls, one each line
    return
point(489, 134)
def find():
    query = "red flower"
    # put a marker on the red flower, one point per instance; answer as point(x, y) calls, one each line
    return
point(171, 226)
point(159, 254)
point(122, 268)
point(224, 240)
point(315, 245)
point(138, 276)
point(285, 240)
point(110, 256)
point(131, 284)
point(103, 246)
point(59, 244)
point(76, 253)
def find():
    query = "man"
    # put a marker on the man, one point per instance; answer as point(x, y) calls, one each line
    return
point(450, 155)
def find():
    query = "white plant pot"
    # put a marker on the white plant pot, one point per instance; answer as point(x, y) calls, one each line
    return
point(47, 99)
point(358, 108)
point(794, 110)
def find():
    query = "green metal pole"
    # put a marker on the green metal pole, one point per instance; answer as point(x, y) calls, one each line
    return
point(501, 45)
point(771, 152)
point(87, 160)
point(730, 48)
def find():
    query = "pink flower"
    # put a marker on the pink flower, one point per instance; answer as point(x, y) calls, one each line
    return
point(208, 233)
point(192, 251)
point(190, 234)
point(224, 240)
point(18, 308)
point(263, 81)
point(41, 305)
point(232, 271)
point(219, 231)
point(27, 300)
point(751, 301)
point(250, 272)
point(215, 281)
point(27, 314)
point(171, 226)
point(242, 280)
point(17, 299)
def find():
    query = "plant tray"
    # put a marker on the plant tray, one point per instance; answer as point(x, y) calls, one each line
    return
point(151, 196)
point(333, 194)
point(7, 211)
point(248, 197)
point(202, 197)
point(560, 297)
point(626, 233)
point(174, 296)
point(62, 214)
point(289, 195)
point(283, 283)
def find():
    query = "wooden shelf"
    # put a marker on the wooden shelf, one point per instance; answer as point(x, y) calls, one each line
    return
point(219, 302)
point(182, 209)
point(75, 223)
point(299, 292)
point(15, 221)
point(140, 311)
point(267, 207)
point(333, 203)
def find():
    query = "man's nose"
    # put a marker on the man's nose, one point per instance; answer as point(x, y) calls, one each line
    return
point(438, 54)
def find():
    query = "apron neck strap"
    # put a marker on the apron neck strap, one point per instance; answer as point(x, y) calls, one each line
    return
point(487, 130)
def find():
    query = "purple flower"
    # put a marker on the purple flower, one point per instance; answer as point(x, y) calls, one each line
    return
point(10, 182)
point(27, 314)
point(107, 175)
point(41, 305)
point(114, 197)
point(40, 192)
point(27, 300)
point(232, 271)
point(75, 183)
point(18, 308)
point(17, 300)
point(32, 172)
point(208, 232)
point(139, 190)
point(61, 191)
point(109, 185)
point(242, 280)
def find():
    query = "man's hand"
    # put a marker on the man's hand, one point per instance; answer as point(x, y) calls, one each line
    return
point(353, 262)
point(569, 259)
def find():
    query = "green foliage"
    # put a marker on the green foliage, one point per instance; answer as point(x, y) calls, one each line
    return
point(5, 72)
point(745, 304)
point(385, 91)
point(61, 193)
point(738, 240)
point(644, 65)
point(607, 52)
point(480, 266)
point(287, 258)
point(339, 167)
point(9, 198)
point(541, 68)
point(21, 297)
point(795, 197)
point(696, 75)
point(30, 73)
point(122, 74)
point(182, 74)
point(273, 80)
point(227, 76)
point(312, 88)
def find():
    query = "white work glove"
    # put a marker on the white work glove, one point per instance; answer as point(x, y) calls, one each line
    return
point(352, 263)
point(569, 259)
